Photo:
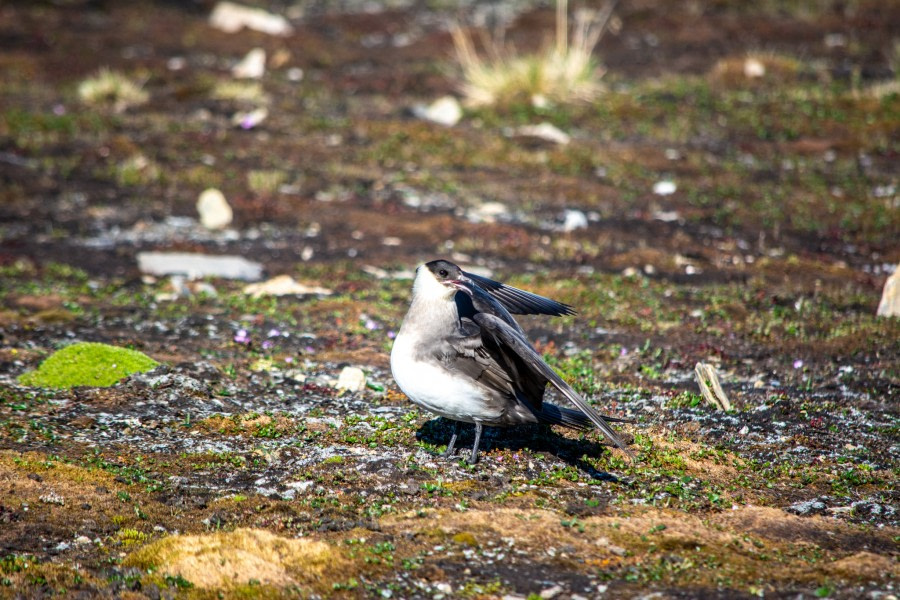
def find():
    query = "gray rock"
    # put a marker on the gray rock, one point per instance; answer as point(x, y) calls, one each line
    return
point(195, 266)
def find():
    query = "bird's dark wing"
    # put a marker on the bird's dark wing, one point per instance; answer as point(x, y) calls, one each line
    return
point(520, 302)
point(492, 365)
point(506, 336)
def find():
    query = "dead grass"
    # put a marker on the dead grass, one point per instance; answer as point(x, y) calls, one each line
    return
point(563, 73)
point(237, 558)
point(113, 88)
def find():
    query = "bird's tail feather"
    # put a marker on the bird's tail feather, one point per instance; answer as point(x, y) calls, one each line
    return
point(567, 417)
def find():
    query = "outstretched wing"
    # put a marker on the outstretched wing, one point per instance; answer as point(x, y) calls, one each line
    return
point(508, 337)
point(520, 302)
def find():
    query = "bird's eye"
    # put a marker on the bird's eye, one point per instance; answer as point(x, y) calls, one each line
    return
point(443, 272)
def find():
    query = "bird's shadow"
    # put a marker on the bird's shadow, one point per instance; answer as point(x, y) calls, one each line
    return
point(537, 438)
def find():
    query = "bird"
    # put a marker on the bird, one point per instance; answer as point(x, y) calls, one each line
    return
point(460, 354)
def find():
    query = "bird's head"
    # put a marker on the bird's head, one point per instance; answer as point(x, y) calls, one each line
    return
point(439, 279)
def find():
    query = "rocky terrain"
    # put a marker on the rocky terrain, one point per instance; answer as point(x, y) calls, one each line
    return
point(729, 198)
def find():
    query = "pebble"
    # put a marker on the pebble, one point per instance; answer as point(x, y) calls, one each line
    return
point(574, 219)
point(807, 507)
point(544, 131)
point(443, 111)
point(231, 17)
point(664, 188)
point(197, 266)
point(252, 66)
point(214, 210)
point(551, 592)
point(488, 212)
point(352, 379)
point(890, 296)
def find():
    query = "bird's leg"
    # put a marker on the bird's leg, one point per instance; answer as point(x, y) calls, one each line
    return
point(450, 447)
point(474, 457)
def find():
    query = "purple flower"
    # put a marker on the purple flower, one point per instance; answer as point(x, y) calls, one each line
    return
point(798, 364)
point(623, 351)
point(267, 344)
point(392, 334)
point(241, 337)
point(372, 325)
point(59, 110)
point(289, 359)
point(273, 333)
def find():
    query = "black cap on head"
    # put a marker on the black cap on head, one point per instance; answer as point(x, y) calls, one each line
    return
point(444, 270)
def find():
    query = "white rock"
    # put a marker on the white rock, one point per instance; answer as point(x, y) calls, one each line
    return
point(231, 18)
point(196, 266)
point(664, 187)
point(551, 592)
point(284, 285)
point(574, 219)
point(252, 66)
point(544, 131)
point(754, 68)
point(214, 210)
point(890, 296)
point(487, 212)
point(351, 379)
point(443, 111)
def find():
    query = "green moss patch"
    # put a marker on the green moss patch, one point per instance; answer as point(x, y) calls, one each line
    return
point(87, 363)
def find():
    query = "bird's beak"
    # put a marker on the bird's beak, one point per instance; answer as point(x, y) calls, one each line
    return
point(460, 283)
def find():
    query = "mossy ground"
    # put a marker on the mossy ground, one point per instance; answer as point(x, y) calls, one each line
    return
point(87, 363)
point(767, 261)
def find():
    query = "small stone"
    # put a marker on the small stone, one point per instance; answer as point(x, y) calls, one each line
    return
point(890, 296)
point(214, 210)
point(488, 212)
point(754, 68)
point(52, 498)
point(231, 18)
point(82, 540)
point(252, 66)
point(807, 507)
point(443, 111)
point(664, 188)
point(444, 587)
point(351, 379)
point(551, 592)
point(544, 131)
point(574, 219)
point(284, 285)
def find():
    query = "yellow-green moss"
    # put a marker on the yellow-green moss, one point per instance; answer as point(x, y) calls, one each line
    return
point(87, 363)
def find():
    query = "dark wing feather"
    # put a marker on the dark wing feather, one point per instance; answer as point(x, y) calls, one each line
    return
point(520, 302)
point(508, 336)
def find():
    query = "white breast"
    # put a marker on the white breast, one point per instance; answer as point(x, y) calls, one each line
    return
point(434, 388)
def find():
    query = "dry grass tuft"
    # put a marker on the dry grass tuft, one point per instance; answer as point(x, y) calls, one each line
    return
point(233, 559)
point(112, 88)
point(564, 73)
